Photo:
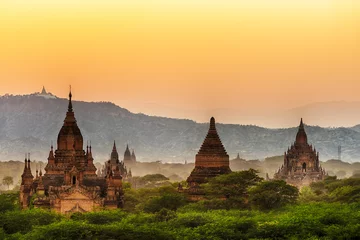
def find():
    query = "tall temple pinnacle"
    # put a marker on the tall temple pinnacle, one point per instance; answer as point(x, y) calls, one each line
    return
point(70, 108)
point(301, 137)
point(114, 154)
point(70, 136)
point(128, 159)
point(211, 160)
point(114, 147)
point(212, 143)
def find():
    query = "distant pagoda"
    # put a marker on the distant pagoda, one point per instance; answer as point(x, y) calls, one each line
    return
point(211, 160)
point(115, 164)
point(301, 162)
point(129, 158)
point(45, 94)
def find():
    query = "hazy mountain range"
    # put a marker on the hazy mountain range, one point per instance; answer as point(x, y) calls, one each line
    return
point(29, 123)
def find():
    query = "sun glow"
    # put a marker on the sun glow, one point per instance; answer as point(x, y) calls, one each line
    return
point(182, 53)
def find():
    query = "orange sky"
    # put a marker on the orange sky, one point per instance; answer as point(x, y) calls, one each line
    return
point(182, 58)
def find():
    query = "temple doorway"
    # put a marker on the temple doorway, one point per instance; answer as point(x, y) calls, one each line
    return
point(304, 167)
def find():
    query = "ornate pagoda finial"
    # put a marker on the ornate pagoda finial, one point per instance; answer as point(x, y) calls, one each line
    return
point(114, 147)
point(301, 123)
point(301, 137)
point(212, 123)
point(25, 161)
point(70, 108)
point(29, 167)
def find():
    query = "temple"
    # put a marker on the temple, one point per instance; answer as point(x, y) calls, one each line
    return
point(70, 183)
point(211, 160)
point(301, 162)
point(114, 163)
point(45, 94)
point(129, 158)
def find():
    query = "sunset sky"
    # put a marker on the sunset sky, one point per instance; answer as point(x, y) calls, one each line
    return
point(184, 58)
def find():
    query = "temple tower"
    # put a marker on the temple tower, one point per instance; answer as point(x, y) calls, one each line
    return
point(211, 160)
point(301, 162)
point(27, 180)
point(127, 156)
point(115, 164)
point(70, 183)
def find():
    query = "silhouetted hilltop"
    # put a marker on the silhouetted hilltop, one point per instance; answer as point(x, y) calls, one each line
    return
point(29, 123)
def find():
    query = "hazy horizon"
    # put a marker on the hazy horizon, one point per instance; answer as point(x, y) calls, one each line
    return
point(187, 59)
point(312, 113)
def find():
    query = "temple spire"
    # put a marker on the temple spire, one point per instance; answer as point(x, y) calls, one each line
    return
point(212, 124)
point(114, 147)
point(25, 162)
point(70, 108)
point(212, 143)
point(301, 137)
point(43, 91)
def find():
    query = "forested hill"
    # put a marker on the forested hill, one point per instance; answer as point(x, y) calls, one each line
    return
point(29, 123)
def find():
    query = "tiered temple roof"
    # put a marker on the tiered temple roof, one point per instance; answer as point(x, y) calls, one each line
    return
point(211, 160)
point(301, 162)
point(70, 175)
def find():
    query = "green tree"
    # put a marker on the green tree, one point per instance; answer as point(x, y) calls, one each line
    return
point(167, 201)
point(8, 180)
point(153, 178)
point(8, 202)
point(272, 194)
point(234, 184)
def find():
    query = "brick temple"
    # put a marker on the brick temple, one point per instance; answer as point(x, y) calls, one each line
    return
point(211, 160)
point(301, 162)
point(70, 183)
point(114, 162)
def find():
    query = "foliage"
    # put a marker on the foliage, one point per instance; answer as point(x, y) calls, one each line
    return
point(150, 181)
point(167, 201)
point(103, 217)
point(328, 209)
point(335, 190)
point(272, 194)
point(153, 178)
point(8, 202)
point(22, 221)
point(233, 184)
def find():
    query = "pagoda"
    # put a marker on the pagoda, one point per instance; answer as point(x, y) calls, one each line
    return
point(114, 163)
point(129, 158)
point(301, 162)
point(70, 183)
point(211, 160)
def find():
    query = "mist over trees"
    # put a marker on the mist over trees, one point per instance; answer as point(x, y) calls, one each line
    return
point(251, 209)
